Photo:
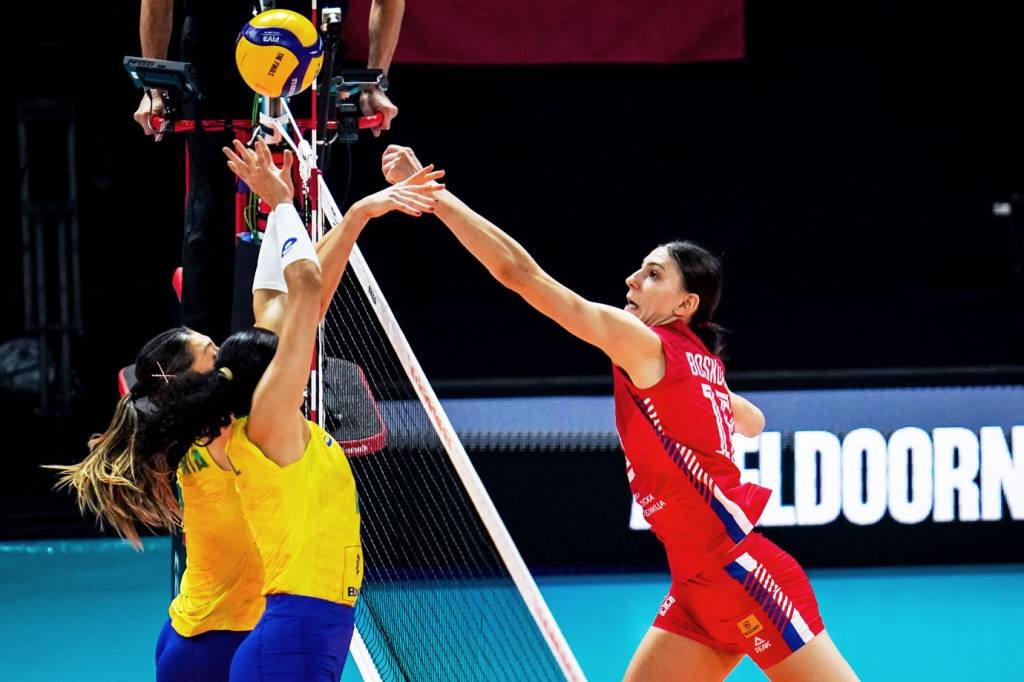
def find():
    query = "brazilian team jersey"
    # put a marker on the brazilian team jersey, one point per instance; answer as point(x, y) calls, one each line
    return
point(304, 517)
point(223, 581)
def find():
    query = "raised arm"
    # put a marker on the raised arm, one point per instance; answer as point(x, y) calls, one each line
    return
point(275, 423)
point(625, 339)
point(413, 196)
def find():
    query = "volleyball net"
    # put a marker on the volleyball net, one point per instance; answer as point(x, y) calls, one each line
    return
point(447, 595)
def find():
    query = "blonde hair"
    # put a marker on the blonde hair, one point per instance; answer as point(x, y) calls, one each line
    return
point(119, 487)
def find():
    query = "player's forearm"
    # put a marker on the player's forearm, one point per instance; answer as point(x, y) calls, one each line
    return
point(506, 259)
point(155, 20)
point(385, 25)
point(334, 250)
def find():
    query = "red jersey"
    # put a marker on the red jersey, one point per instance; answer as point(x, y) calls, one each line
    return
point(677, 436)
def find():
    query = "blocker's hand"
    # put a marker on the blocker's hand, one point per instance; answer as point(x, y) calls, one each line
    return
point(256, 169)
point(398, 163)
point(413, 196)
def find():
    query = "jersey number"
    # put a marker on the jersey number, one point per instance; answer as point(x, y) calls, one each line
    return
point(722, 408)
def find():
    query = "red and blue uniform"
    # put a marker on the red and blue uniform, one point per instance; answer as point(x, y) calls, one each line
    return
point(731, 588)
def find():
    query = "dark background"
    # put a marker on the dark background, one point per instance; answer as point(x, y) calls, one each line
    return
point(845, 171)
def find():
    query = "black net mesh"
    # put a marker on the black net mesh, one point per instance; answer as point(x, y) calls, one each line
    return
point(438, 602)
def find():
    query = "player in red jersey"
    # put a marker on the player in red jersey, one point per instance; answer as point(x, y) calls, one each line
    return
point(733, 592)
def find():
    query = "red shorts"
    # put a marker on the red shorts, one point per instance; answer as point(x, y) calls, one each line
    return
point(759, 603)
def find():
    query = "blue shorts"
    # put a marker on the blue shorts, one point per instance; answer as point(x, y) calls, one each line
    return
point(297, 639)
point(203, 658)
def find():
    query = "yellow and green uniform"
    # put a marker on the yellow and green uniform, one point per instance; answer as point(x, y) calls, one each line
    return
point(221, 588)
point(304, 517)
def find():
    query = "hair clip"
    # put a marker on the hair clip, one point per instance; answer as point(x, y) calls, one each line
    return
point(162, 375)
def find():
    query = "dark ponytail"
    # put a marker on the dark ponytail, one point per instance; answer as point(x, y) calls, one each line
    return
point(712, 335)
point(167, 355)
point(702, 275)
point(196, 408)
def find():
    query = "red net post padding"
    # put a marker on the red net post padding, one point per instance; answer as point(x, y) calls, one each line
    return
point(359, 427)
point(125, 380)
point(176, 282)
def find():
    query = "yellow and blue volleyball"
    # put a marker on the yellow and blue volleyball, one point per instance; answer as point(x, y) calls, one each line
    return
point(279, 53)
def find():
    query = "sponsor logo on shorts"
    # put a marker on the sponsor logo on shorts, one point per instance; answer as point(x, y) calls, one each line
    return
point(667, 604)
point(761, 645)
point(749, 625)
point(288, 244)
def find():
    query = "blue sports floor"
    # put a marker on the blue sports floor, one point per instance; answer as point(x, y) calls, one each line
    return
point(91, 610)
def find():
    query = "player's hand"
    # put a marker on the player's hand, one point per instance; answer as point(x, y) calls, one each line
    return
point(152, 104)
point(414, 196)
point(373, 100)
point(398, 163)
point(256, 169)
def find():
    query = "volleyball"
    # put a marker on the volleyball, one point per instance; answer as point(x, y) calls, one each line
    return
point(279, 53)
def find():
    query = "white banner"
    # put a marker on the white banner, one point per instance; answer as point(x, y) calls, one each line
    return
point(910, 474)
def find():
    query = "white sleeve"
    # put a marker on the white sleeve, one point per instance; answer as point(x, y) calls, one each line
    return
point(293, 240)
point(269, 273)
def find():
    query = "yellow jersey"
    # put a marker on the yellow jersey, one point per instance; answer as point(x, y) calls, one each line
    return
point(221, 588)
point(304, 517)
